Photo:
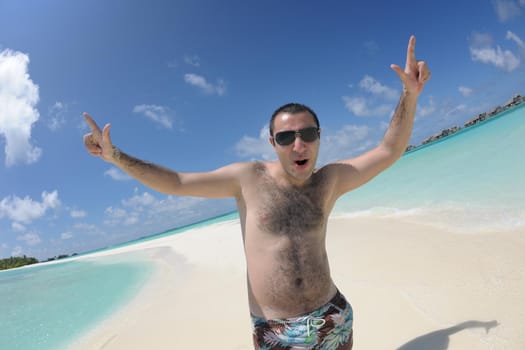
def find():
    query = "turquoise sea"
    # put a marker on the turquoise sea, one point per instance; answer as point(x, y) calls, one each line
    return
point(48, 306)
point(470, 182)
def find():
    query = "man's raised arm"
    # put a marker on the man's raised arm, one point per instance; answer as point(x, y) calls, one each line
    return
point(352, 173)
point(223, 182)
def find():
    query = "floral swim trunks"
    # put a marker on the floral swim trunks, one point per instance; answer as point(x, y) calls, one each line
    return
point(327, 328)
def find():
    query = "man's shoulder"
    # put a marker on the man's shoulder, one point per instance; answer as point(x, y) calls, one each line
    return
point(328, 170)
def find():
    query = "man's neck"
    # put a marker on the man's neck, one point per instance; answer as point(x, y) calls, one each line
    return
point(284, 179)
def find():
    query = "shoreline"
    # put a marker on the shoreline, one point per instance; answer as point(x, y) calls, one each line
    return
point(479, 120)
point(414, 284)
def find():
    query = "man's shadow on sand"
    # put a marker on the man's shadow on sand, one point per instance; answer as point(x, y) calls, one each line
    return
point(439, 340)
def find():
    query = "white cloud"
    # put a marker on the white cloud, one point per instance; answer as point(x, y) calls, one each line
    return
point(192, 60)
point(116, 212)
point(424, 110)
point(377, 102)
point(504, 60)
point(143, 214)
point(78, 213)
point(511, 36)
point(159, 114)
point(117, 174)
point(119, 216)
point(18, 227)
point(481, 40)
point(57, 117)
point(356, 105)
point(256, 147)
point(138, 200)
point(374, 87)
point(183, 206)
point(507, 9)
point(465, 91)
point(25, 210)
point(204, 85)
point(18, 98)
point(66, 235)
point(50, 200)
point(461, 108)
point(146, 209)
point(361, 107)
point(30, 238)
point(348, 141)
point(481, 50)
point(449, 108)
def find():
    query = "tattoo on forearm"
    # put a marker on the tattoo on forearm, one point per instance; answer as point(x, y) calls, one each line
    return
point(400, 112)
point(135, 165)
point(116, 152)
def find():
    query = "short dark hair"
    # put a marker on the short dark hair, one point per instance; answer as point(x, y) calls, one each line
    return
point(292, 108)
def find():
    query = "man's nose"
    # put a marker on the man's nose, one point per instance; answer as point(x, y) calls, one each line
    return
point(298, 143)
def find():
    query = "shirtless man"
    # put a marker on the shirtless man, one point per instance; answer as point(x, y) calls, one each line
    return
point(284, 208)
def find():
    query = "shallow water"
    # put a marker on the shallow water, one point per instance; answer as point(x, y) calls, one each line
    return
point(48, 306)
point(472, 181)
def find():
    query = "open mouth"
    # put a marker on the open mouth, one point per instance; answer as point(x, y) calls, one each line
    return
point(301, 162)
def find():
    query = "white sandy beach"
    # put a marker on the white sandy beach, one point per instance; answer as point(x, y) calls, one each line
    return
point(411, 287)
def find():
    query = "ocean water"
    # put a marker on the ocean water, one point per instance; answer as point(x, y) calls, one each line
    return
point(472, 181)
point(45, 307)
point(48, 307)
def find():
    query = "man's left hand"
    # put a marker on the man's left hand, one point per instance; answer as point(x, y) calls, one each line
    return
point(416, 73)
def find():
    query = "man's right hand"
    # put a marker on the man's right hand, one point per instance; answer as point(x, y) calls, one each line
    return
point(98, 142)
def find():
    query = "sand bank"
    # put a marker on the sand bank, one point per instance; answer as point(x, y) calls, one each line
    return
point(411, 287)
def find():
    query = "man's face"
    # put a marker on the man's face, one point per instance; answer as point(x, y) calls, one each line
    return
point(298, 158)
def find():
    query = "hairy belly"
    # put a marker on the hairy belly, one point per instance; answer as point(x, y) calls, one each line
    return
point(288, 279)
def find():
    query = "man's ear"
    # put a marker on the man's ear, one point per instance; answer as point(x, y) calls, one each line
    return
point(272, 141)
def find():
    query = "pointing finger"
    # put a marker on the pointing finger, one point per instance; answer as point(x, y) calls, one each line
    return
point(411, 52)
point(92, 125)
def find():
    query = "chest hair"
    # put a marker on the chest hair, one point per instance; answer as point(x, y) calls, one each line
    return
point(290, 210)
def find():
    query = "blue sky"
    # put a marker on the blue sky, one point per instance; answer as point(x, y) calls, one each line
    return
point(191, 85)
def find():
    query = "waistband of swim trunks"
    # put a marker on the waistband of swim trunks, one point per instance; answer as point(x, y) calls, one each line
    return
point(338, 300)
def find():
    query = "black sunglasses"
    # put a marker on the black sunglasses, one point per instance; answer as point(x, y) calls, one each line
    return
point(285, 138)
